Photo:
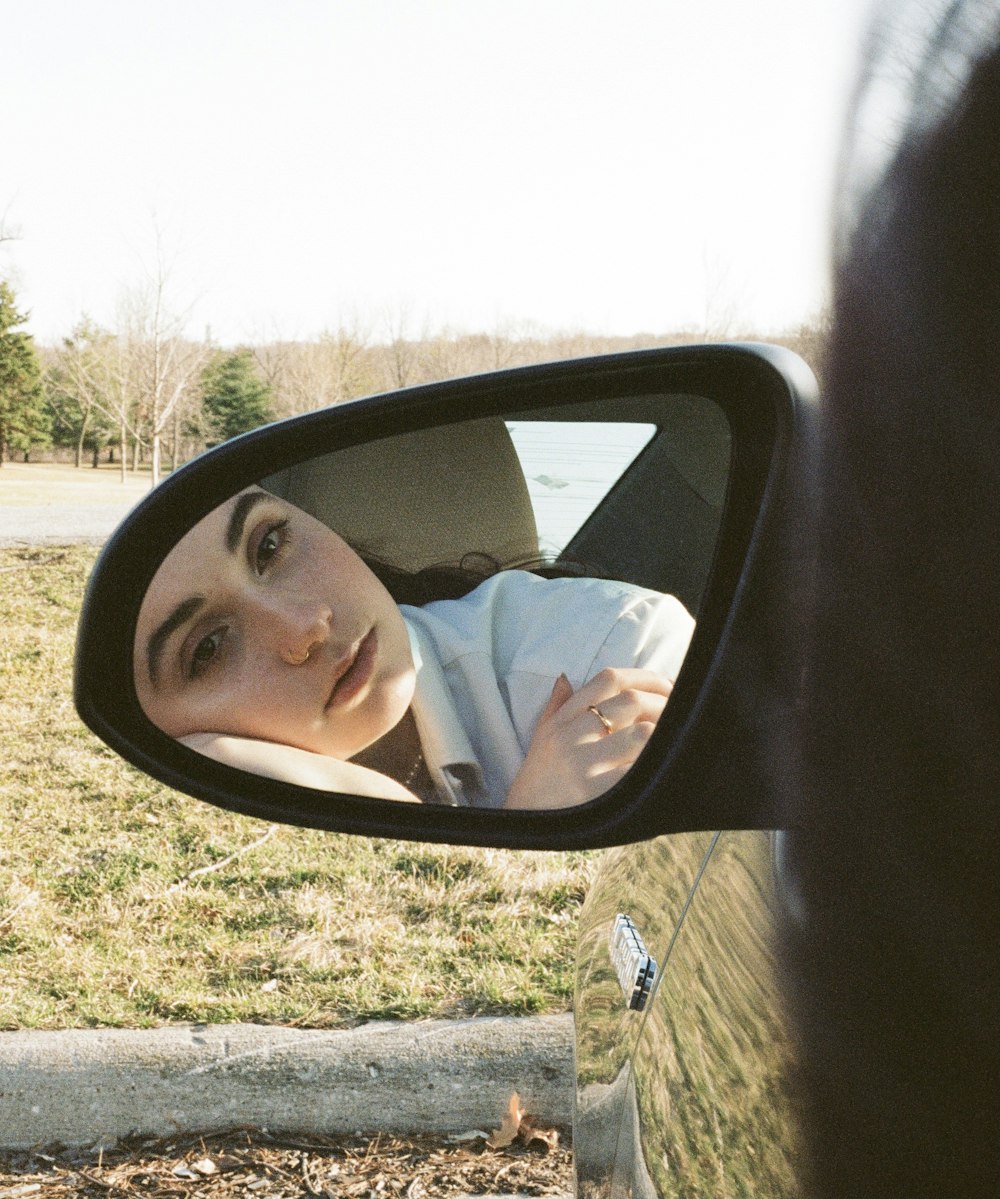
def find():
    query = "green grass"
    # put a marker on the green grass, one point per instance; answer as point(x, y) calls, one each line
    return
point(108, 915)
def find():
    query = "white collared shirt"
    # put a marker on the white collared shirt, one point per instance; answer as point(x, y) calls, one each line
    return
point(486, 665)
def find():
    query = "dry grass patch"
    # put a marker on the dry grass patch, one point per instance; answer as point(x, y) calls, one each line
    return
point(108, 915)
point(30, 483)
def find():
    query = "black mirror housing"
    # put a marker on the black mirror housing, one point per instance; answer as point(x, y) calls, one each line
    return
point(735, 703)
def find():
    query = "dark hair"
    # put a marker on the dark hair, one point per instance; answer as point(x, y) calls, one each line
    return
point(445, 581)
point(419, 587)
point(892, 952)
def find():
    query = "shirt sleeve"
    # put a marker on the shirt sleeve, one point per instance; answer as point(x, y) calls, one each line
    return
point(652, 633)
point(578, 626)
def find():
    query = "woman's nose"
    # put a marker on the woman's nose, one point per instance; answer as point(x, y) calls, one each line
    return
point(295, 629)
point(305, 636)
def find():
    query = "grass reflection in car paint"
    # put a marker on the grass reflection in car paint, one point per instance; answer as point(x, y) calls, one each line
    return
point(650, 883)
point(694, 1096)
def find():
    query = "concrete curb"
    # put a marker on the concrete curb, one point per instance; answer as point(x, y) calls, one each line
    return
point(84, 1087)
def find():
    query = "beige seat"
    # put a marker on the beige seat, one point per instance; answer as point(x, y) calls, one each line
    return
point(422, 499)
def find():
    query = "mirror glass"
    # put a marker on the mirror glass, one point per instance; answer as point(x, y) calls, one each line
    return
point(491, 613)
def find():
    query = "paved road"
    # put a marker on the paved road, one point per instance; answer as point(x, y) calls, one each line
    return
point(59, 524)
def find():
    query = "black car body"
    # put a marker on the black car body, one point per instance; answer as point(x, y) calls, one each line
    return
point(689, 1096)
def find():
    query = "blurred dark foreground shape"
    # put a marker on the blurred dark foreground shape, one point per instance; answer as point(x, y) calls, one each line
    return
point(892, 929)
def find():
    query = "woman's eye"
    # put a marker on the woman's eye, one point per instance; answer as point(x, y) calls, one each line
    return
point(205, 651)
point(269, 545)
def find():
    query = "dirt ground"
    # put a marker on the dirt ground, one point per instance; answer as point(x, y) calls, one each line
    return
point(255, 1163)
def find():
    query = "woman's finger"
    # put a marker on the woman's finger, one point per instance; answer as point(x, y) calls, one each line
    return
point(616, 751)
point(561, 692)
point(613, 681)
point(627, 708)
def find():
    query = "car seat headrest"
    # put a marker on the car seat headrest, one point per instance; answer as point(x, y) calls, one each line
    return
point(425, 498)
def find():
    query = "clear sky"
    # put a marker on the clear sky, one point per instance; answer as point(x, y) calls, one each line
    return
point(610, 166)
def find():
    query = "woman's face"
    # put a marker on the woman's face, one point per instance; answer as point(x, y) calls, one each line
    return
point(263, 623)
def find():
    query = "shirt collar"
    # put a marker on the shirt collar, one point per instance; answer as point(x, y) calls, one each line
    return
point(447, 750)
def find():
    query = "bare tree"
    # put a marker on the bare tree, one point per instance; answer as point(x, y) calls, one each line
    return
point(722, 298)
point(164, 366)
point(446, 356)
point(274, 359)
point(344, 350)
point(811, 339)
point(79, 379)
point(304, 376)
point(98, 369)
point(401, 350)
point(510, 344)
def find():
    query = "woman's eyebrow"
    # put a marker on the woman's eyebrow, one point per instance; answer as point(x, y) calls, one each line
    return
point(238, 519)
point(154, 647)
point(244, 505)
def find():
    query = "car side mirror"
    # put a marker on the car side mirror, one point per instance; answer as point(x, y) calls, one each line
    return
point(555, 606)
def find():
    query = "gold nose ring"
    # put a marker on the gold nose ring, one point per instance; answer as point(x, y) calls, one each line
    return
point(601, 717)
point(300, 661)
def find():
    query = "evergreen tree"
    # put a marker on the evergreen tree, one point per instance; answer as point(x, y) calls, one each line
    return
point(24, 420)
point(234, 397)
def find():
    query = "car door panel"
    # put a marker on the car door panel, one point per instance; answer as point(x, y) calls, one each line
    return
point(607, 1031)
point(697, 1088)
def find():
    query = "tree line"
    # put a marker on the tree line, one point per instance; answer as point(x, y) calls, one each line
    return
point(144, 394)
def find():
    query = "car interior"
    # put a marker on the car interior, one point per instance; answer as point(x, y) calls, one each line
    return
point(462, 490)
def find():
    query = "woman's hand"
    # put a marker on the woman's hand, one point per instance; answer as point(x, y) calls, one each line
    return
point(291, 765)
point(586, 740)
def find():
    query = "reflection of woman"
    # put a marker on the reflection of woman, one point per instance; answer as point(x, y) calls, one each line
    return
point(266, 642)
point(528, 663)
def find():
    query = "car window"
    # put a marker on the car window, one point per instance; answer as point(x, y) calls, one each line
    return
point(570, 466)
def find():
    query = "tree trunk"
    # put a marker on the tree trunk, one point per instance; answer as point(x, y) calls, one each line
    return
point(79, 442)
point(155, 460)
point(123, 449)
point(175, 445)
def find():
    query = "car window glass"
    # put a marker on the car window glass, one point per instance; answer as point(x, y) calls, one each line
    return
point(570, 467)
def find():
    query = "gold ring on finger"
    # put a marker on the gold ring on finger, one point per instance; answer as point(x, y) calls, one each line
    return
point(601, 717)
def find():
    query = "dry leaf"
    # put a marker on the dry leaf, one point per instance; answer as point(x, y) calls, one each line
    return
point(529, 1132)
point(205, 1166)
point(509, 1126)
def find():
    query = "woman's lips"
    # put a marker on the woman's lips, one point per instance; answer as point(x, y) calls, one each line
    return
point(355, 674)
